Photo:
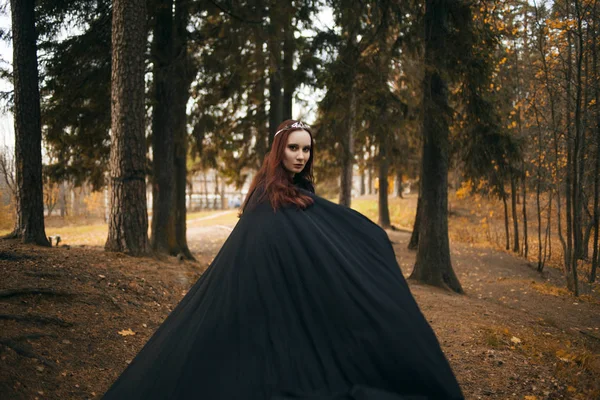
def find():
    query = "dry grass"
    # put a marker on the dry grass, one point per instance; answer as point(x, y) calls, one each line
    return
point(402, 211)
point(92, 232)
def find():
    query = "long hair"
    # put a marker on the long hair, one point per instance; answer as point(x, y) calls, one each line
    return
point(275, 180)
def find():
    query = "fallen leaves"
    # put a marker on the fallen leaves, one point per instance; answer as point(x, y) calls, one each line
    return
point(126, 332)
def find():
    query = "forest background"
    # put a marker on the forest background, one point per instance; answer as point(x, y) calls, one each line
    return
point(460, 122)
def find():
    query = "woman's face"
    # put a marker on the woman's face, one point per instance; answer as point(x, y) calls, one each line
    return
point(297, 151)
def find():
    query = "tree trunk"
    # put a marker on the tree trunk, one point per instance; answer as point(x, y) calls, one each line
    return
point(370, 174)
point(568, 252)
point(506, 218)
point(362, 181)
point(172, 77)
point(162, 238)
point(262, 130)
point(29, 224)
point(62, 199)
point(513, 196)
point(289, 50)
point(399, 183)
point(205, 181)
point(548, 241)
point(578, 144)
point(185, 73)
point(275, 71)
point(433, 265)
point(524, 190)
point(128, 221)
point(540, 265)
point(348, 154)
point(596, 217)
point(384, 210)
point(413, 244)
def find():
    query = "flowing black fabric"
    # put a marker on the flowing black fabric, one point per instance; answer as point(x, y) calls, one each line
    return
point(298, 304)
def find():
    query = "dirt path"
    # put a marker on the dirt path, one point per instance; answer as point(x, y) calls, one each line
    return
point(514, 335)
point(509, 336)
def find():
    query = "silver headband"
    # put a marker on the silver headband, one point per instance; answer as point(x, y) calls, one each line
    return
point(298, 125)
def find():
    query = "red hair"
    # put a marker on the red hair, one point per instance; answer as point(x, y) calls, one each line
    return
point(275, 179)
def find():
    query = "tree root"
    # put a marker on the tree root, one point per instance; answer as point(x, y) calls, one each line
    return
point(35, 318)
point(590, 335)
point(12, 343)
point(27, 291)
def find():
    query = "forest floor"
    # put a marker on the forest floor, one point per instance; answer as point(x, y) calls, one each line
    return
point(72, 318)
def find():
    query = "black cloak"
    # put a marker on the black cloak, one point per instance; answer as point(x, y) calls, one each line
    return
point(298, 304)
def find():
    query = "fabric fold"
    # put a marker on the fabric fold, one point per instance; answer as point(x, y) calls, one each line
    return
point(310, 302)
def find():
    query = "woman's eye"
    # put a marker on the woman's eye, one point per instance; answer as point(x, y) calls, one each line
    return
point(293, 147)
point(306, 149)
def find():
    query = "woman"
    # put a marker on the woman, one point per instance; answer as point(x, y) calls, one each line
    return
point(305, 300)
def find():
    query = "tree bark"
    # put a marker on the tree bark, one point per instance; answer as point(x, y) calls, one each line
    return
point(370, 174)
point(433, 265)
point(596, 217)
point(524, 211)
point(262, 133)
point(362, 180)
point(383, 209)
point(289, 51)
point(506, 219)
point(275, 71)
point(398, 183)
point(29, 224)
point(348, 154)
point(577, 159)
point(173, 75)
point(513, 196)
point(185, 72)
point(569, 251)
point(162, 238)
point(128, 221)
point(413, 244)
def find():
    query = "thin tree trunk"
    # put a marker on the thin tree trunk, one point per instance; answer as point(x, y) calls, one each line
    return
point(62, 195)
point(275, 71)
point(370, 174)
point(348, 154)
point(433, 265)
point(506, 218)
point(549, 227)
point(262, 133)
point(399, 183)
point(362, 181)
point(185, 73)
point(578, 150)
point(513, 196)
point(555, 139)
point(383, 207)
point(524, 190)
point(205, 181)
point(128, 221)
point(540, 265)
point(596, 217)
point(29, 224)
point(289, 50)
point(569, 256)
